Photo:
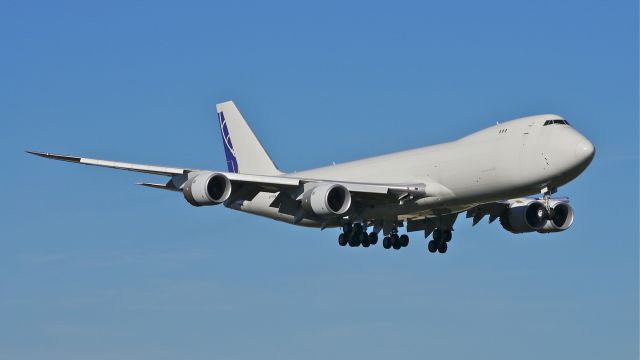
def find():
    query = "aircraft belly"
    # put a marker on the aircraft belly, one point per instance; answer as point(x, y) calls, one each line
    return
point(260, 205)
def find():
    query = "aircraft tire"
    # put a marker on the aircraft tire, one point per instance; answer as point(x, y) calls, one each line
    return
point(404, 240)
point(364, 240)
point(342, 240)
point(373, 238)
point(432, 246)
point(442, 247)
point(353, 240)
point(395, 241)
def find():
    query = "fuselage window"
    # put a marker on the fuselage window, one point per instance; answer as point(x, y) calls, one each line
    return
point(560, 122)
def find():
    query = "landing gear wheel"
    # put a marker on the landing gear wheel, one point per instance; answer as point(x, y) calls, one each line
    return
point(395, 241)
point(404, 240)
point(432, 246)
point(373, 238)
point(386, 242)
point(346, 228)
point(342, 240)
point(442, 247)
point(365, 240)
point(354, 240)
point(446, 235)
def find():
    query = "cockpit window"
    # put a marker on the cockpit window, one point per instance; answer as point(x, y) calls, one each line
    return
point(558, 121)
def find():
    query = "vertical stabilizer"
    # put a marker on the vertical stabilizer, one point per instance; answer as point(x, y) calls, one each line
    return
point(242, 149)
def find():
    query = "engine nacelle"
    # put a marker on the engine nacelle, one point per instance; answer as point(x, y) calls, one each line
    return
point(525, 217)
point(327, 199)
point(561, 217)
point(207, 189)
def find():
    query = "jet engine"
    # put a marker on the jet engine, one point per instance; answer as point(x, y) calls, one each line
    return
point(560, 219)
point(207, 189)
point(327, 199)
point(525, 217)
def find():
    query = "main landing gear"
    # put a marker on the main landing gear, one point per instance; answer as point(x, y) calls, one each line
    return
point(440, 239)
point(356, 235)
point(395, 241)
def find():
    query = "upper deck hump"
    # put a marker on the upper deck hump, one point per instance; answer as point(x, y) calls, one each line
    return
point(478, 136)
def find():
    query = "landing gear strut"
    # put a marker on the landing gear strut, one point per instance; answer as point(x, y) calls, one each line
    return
point(546, 197)
point(440, 239)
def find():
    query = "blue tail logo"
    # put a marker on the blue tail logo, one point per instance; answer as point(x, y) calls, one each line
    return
point(232, 162)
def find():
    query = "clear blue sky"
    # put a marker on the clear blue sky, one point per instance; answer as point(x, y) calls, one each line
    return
point(92, 266)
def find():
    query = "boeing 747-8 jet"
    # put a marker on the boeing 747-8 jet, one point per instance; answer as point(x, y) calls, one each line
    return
point(490, 172)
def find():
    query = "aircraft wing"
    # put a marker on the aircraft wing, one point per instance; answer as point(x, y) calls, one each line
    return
point(149, 169)
point(368, 192)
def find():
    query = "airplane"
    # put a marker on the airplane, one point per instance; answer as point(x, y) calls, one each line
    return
point(494, 172)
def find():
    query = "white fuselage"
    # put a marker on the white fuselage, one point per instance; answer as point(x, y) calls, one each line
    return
point(508, 160)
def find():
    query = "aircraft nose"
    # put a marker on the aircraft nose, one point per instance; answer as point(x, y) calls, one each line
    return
point(584, 151)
